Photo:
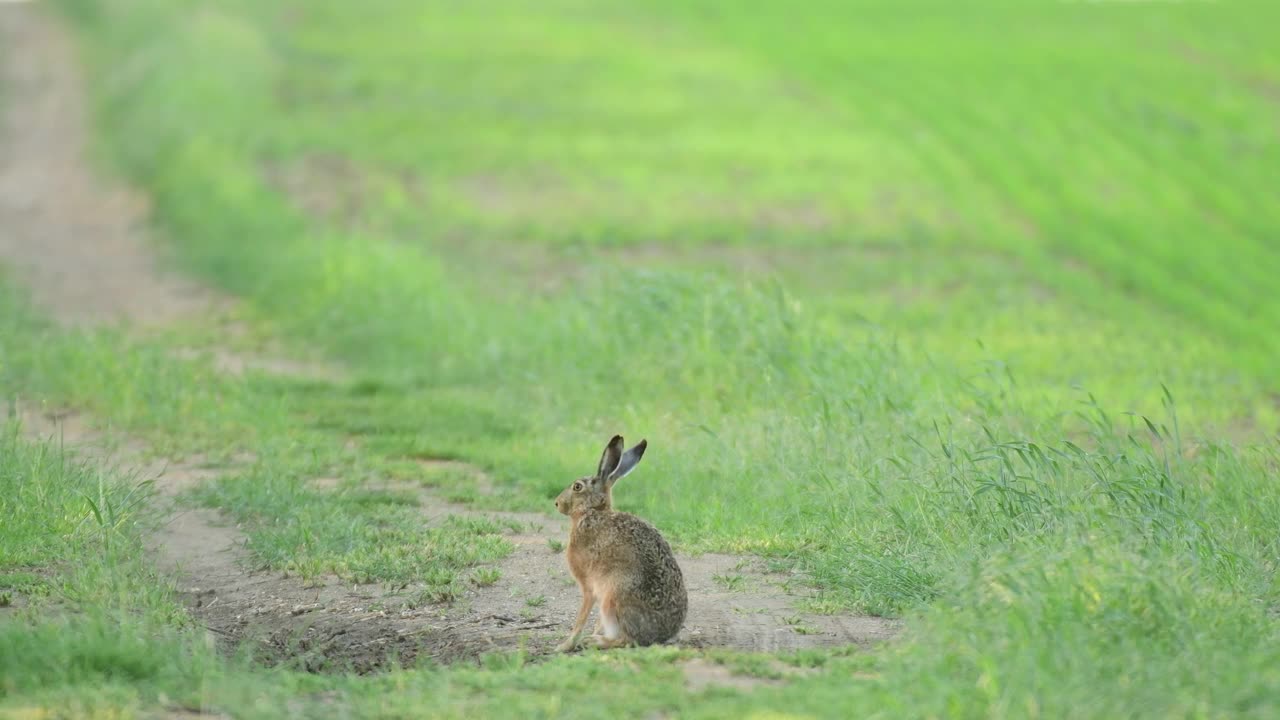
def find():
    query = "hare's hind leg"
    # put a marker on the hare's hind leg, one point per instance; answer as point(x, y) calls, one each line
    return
point(602, 643)
point(613, 634)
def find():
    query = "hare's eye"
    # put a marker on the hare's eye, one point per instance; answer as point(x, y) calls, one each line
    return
point(577, 487)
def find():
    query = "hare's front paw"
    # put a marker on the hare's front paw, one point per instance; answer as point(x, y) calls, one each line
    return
point(567, 646)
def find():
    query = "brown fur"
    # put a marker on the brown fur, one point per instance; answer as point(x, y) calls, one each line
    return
point(620, 562)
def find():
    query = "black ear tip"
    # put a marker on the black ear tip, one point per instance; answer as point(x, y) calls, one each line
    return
point(615, 440)
point(640, 447)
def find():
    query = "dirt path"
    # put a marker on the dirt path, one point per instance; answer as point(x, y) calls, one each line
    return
point(80, 245)
point(329, 624)
point(81, 248)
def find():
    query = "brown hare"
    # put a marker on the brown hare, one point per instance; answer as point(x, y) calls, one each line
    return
point(620, 561)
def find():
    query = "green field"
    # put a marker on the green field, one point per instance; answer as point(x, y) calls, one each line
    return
point(961, 312)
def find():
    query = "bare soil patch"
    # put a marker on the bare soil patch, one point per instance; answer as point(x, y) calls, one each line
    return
point(79, 244)
point(760, 616)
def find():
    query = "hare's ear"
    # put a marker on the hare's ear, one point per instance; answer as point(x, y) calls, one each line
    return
point(629, 460)
point(609, 460)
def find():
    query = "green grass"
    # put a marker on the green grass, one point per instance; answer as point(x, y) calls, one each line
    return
point(858, 282)
point(87, 616)
point(101, 635)
point(651, 154)
point(185, 408)
point(95, 632)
